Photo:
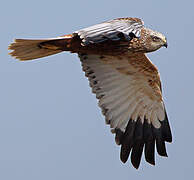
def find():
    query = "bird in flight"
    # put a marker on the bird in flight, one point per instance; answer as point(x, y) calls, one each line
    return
point(126, 83)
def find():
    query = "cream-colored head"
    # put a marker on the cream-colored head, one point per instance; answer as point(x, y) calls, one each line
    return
point(154, 40)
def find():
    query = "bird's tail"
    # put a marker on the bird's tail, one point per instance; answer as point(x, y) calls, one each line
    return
point(28, 49)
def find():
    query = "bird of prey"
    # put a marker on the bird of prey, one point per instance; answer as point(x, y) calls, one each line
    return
point(124, 80)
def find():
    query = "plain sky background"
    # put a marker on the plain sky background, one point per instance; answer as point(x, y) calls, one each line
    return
point(50, 124)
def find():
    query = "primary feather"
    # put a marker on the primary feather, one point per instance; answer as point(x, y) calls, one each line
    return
point(124, 80)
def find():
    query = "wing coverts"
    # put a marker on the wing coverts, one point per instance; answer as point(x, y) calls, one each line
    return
point(111, 30)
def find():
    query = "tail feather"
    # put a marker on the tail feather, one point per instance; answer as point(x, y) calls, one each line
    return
point(28, 49)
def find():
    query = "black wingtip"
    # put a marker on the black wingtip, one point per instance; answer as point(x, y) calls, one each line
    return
point(138, 145)
point(118, 136)
point(166, 131)
point(137, 154)
point(140, 136)
point(160, 142)
point(149, 150)
point(136, 166)
point(127, 141)
point(124, 155)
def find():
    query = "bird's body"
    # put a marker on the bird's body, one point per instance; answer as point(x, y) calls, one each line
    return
point(124, 80)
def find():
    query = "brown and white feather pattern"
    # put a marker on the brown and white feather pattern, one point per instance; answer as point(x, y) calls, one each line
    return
point(130, 98)
point(126, 83)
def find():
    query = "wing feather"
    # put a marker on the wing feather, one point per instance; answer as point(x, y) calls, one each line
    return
point(111, 30)
point(132, 105)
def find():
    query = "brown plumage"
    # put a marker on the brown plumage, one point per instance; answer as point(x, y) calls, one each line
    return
point(124, 80)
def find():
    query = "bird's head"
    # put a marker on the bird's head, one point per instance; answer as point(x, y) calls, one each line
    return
point(154, 40)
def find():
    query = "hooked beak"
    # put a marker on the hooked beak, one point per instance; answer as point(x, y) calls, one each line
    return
point(165, 44)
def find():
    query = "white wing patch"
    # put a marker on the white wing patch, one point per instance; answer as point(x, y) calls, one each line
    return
point(122, 97)
point(110, 30)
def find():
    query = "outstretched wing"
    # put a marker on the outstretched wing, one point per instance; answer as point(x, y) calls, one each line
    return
point(113, 30)
point(129, 93)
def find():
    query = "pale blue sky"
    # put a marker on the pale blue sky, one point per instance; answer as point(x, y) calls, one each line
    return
point(51, 126)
